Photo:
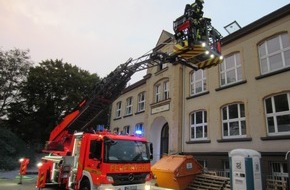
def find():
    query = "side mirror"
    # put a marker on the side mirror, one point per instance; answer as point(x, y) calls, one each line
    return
point(151, 150)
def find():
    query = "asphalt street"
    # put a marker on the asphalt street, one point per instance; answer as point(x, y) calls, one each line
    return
point(10, 181)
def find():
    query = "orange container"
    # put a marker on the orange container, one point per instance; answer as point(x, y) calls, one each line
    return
point(176, 171)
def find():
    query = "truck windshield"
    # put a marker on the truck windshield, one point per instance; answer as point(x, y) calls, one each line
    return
point(126, 151)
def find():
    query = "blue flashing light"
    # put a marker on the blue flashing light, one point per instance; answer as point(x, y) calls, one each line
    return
point(138, 132)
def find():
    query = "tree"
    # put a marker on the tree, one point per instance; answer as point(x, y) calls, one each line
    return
point(14, 66)
point(52, 89)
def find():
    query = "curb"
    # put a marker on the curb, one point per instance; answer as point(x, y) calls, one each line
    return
point(24, 177)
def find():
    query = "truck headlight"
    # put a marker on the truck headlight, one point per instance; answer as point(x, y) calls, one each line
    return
point(147, 187)
point(39, 164)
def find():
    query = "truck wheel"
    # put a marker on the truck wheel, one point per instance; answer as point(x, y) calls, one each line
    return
point(85, 185)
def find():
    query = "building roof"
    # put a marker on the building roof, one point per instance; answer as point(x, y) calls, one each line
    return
point(266, 20)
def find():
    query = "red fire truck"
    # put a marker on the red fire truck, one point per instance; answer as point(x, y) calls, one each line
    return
point(80, 158)
point(100, 160)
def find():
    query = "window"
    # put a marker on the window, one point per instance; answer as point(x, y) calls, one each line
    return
point(274, 53)
point(118, 109)
point(139, 129)
point(233, 121)
point(116, 130)
point(129, 106)
point(279, 170)
point(197, 82)
point(162, 66)
point(226, 168)
point(161, 91)
point(95, 150)
point(203, 163)
point(123, 151)
point(141, 101)
point(198, 125)
point(126, 130)
point(231, 69)
point(158, 93)
point(166, 90)
point(278, 114)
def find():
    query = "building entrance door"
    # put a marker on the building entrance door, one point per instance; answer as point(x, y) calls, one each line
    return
point(164, 139)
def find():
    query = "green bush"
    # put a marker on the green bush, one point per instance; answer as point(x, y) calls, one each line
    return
point(12, 148)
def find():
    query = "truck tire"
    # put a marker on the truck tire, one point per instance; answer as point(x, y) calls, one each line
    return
point(85, 185)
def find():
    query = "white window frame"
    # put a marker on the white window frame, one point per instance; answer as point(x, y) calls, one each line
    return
point(162, 90)
point(194, 125)
point(276, 114)
point(198, 81)
point(229, 122)
point(129, 105)
point(231, 66)
point(166, 90)
point(118, 109)
point(278, 171)
point(283, 52)
point(141, 101)
point(158, 93)
point(126, 130)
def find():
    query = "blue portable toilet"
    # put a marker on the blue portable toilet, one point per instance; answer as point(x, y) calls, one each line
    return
point(245, 169)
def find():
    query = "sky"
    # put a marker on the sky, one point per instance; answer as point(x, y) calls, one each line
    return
point(99, 35)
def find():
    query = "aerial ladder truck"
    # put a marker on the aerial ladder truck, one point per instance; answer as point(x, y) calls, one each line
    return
point(81, 159)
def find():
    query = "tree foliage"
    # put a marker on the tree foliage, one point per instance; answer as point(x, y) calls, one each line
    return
point(52, 89)
point(14, 66)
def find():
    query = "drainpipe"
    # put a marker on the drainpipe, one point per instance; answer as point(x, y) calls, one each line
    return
point(183, 109)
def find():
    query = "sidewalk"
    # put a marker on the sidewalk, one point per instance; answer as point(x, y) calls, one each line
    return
point(9, 174)
point(14, 174)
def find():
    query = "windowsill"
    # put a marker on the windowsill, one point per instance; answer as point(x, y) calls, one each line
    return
point(198, 142)
point(231, 85)
point(139, 112)
point(197, 95)
point(280, 137)
point(117, 118)
point(128, 115)
point(163, 102)
point(273, 73)
point(234, 140)
point(161, 71)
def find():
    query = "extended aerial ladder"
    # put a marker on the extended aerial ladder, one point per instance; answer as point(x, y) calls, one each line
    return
point(196, 44)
